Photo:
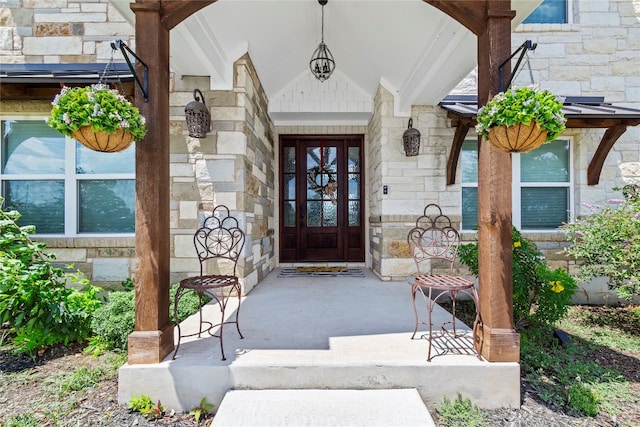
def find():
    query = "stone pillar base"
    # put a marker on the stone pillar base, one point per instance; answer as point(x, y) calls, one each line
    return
point(150, 346)
point(498, 345)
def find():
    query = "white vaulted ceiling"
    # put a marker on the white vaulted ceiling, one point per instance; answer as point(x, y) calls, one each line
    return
point(411, 48)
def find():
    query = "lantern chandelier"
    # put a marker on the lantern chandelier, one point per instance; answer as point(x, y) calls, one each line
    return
point(322, 63)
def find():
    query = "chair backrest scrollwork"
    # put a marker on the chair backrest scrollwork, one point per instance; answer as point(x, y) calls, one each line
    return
point(433, 237)
point(219, 237)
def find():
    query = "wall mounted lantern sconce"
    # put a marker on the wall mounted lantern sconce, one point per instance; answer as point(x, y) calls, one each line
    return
point(322, 63)
point(198, 116)
point(411, 140)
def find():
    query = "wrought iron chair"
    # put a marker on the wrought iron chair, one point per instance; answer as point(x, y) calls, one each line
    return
point(219, 243)
point(434, 238)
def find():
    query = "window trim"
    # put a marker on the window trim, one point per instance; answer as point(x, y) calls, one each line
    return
point(517, 185)
point(569, 9)
point(71, 183)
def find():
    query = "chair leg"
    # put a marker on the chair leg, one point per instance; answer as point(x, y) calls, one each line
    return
point(454, 299)
point(239, 291)
point(429, 312)
point(477, 325)
point(222, 303)
point(176, 298)
point(414, 289)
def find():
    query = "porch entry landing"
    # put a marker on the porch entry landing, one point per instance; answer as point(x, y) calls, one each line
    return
point(321, 333)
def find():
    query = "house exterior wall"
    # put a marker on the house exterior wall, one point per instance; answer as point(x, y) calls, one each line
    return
point(597, 54)
point(232, 165)
point(62, 31)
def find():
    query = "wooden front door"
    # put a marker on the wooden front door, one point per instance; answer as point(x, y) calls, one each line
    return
point(322, 198)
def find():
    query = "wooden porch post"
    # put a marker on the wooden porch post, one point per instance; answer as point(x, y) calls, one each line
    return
point(490, 21)
point(153, 336)
point(499, 340)
point(152, 339)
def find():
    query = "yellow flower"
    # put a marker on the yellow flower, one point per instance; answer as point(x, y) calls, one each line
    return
point(556, 286)
point(517, 244)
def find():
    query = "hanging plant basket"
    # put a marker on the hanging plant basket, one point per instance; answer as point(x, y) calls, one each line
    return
point(518, 138)
point(102, 141)
point(98, 117)
point(521, 119)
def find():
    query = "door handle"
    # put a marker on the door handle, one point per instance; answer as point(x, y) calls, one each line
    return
point(302, 216)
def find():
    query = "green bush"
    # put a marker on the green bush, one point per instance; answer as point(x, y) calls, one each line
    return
point(540, 295)
point(607, 243)
point(460, 413)
point(114, 321)
point(42, 303)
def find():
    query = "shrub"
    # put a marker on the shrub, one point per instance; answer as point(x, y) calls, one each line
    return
point(114, 321)
point(607, 243)
point(540, 295)
point(460, 413)
point(34, 297)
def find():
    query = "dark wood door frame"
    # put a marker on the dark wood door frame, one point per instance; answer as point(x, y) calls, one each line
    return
point(300, 241)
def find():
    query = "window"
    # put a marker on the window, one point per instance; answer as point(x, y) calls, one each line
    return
point(549, 12)
point(542, 186)
point(62, 187)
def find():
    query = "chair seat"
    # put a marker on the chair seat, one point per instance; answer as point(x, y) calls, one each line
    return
point(443, 281)
point(208, 282)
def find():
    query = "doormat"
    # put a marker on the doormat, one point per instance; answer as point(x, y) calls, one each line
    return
point(333, 271)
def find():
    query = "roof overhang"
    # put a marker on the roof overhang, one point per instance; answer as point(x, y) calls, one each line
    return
point(412, 49)
point(580, 112)
point(43, 81)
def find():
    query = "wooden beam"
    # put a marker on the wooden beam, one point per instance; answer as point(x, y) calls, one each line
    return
point(609, 138)
point(462, 128)
point(152, 339)
point(176, 11)
point(496, 337)
point(590, 123)
point(470, 13)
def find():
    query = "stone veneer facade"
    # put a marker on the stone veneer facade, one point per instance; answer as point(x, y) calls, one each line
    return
point(597, 54)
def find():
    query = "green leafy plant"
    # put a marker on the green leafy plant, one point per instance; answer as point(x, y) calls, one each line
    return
point(460, 412)
point(540, 295)
point(115, 320)
point(24, 420)
point(202, 409)
point(522, 105)
point(146, 407)
point(81, 378)
point(607, 242)
point(567, 376)
point(582, 398)
point(42, 304)
point(97, 106)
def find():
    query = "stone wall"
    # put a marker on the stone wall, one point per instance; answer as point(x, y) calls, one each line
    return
point(60, 31)
point(411, 182)
point(233, 165)
point(65, 31)
point(596, 54)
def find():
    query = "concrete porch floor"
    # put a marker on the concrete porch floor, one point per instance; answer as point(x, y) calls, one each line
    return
point(320, 333)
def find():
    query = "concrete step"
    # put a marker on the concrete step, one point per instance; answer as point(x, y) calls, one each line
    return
point(328, 408)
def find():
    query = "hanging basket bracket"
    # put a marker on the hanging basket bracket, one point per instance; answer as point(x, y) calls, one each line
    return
point(524, 47)
point(144, 85)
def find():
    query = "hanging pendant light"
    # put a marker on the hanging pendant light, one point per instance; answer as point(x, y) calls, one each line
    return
point(322, 63)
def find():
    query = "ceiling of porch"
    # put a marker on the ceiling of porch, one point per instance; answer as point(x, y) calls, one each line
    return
point(412, 49)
